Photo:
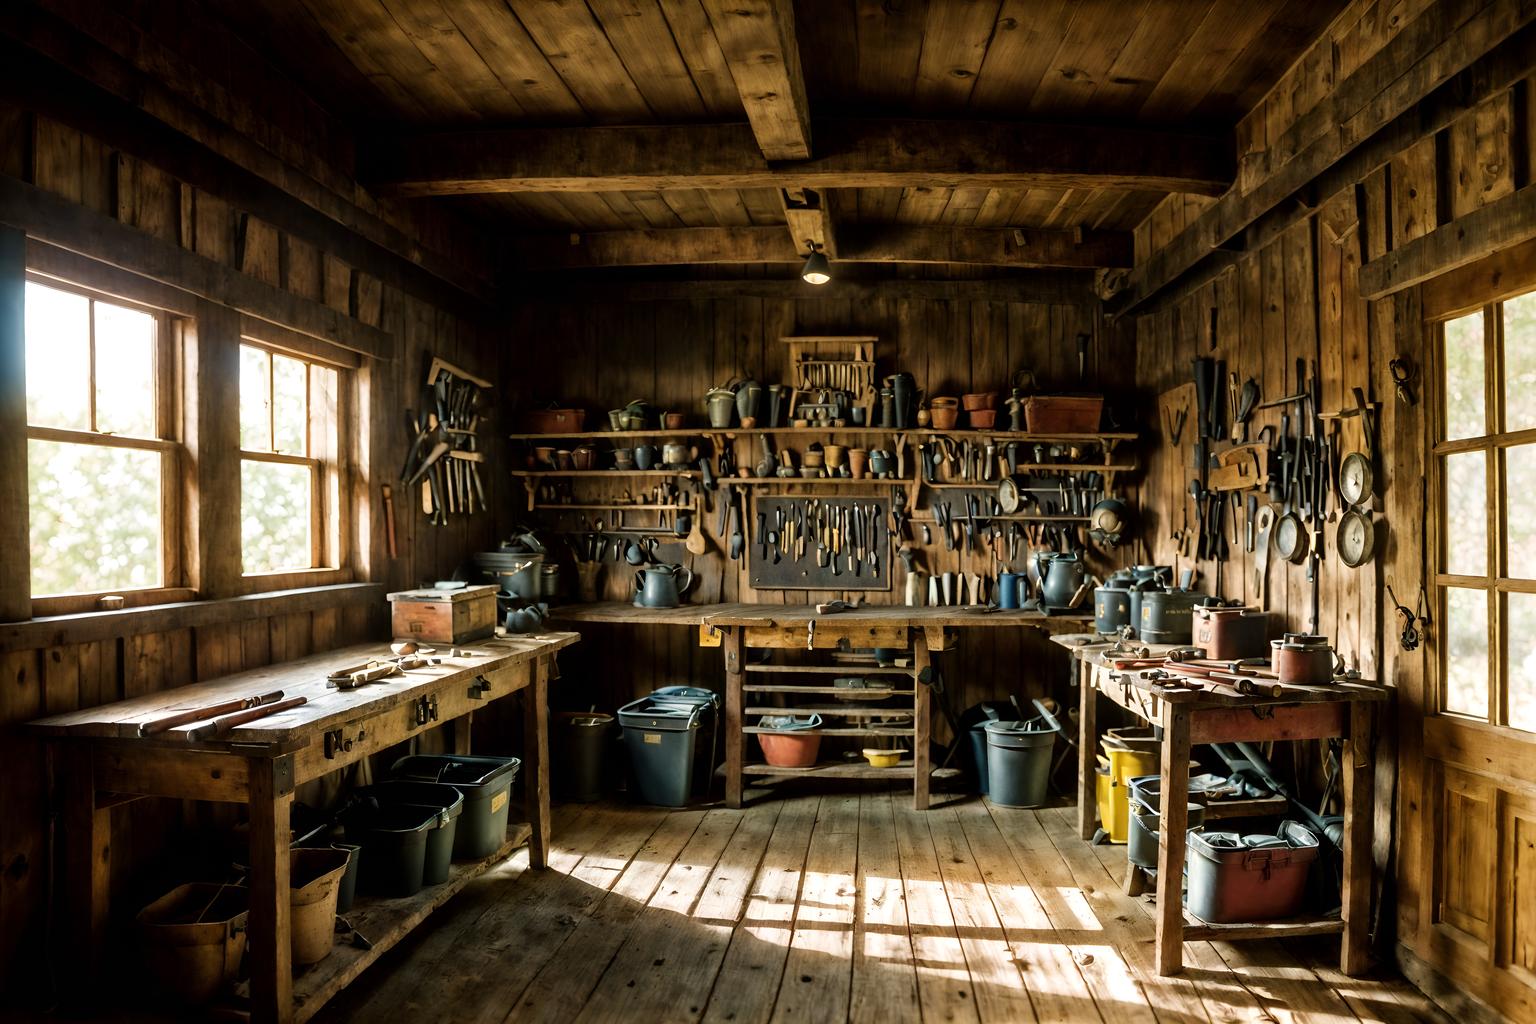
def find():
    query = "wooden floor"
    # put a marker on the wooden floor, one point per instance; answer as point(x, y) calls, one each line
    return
point(833, 906)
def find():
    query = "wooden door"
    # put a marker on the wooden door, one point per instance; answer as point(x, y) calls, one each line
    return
point(1477, 835)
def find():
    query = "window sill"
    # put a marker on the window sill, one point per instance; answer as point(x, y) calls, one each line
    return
point(291, 579)
point(84, 627)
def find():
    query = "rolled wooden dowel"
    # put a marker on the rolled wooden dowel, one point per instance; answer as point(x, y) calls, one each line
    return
point(222, 725)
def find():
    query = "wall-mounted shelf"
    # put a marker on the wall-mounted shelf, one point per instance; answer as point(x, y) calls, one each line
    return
point(1105, 438)
point(687, 474)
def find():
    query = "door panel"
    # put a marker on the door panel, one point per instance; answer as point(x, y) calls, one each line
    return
point(1466, 856)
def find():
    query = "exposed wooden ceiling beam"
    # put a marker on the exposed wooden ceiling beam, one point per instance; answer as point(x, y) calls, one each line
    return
point(856, 244)
point(850, 153)
point(809, 216)
point(758, 40)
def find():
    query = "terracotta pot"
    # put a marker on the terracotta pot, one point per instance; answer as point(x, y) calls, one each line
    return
point(584, 457)
point(673, 421)
point(813, 459)
point(835, 455)
point(943, 417)
point(858, 462)
point(789, 749)
point(983, 419)
point(980, 400)
point(563, 459)
point(544, 456)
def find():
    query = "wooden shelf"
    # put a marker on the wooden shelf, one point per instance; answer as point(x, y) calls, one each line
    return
point(1003, 518)
point(1030, 467)
point(1022, 436)
point(384, 922)
point(614, 507)
point(1256, 808)
point(839, 711)
point(819, 481)
point(827, 691)
point(847, 770)
point(690, 474)
point(893, 731)
point(829, 670)
point(1196, 930)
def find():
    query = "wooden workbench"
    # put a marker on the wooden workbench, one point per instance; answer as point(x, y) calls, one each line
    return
point(926, 631)
point(1188, 717)
point(103, 762)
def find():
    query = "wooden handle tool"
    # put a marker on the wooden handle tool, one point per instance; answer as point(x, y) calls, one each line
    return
point(222, 725)
point(181, 718)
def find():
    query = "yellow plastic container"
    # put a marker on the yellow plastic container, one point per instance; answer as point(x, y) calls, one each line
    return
point(1114, 809)
point(1127, 755)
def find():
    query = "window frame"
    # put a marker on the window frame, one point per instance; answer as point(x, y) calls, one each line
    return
point(331, 504)
point(167, 442)
point(1493, 444)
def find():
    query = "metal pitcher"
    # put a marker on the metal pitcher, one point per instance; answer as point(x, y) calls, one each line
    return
point(1062, 576)
point(657, 586)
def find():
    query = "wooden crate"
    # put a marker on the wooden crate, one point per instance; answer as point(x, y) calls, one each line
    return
point(444, 616)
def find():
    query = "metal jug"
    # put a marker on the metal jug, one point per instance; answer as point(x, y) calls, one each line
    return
point(1062, 577)
point(657, 586)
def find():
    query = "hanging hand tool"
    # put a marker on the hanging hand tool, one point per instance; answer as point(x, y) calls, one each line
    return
point(1082, 356)
point(1404, 373)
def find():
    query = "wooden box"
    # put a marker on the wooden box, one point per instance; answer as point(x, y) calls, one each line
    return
point(444, 616)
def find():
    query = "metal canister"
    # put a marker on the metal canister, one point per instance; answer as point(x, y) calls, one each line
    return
point(1167, 616)
point(1302, 658)
point(1229, 634)
point(1112, 605)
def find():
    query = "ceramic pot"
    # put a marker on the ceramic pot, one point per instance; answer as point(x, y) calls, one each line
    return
point(813, 459)
point(529, 619)
point(544, 456)
point(624, 458)
point(978, 401)
point(584, 457)
point(721, 403)
point(943, 413)
point(887, 408)
point(881, 462)
point(858, 462)
point(673, 421)
point(563, 459)
point(834, 455)
point(1303, 659)
point(856, 416)
point(645, 456)
point(678, 455)
point(617, 419)
point(984, 419)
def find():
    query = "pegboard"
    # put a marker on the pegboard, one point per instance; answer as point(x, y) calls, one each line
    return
point(797, 567)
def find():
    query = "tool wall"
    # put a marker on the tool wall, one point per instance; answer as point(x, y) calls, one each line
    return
point(809, 543)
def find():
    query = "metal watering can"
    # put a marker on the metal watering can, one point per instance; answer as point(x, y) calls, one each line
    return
point(657, 586)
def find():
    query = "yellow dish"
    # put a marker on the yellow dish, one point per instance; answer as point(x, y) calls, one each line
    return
point(883, 758)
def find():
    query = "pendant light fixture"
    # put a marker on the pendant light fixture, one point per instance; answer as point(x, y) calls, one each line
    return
point(816, 270)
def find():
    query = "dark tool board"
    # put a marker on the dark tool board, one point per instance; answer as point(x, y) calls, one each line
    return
point(872, 572)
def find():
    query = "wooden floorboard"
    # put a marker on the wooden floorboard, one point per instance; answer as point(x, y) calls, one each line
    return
point(838, 904)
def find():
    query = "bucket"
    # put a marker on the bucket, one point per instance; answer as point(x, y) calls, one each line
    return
point(394, 842)
point(1234, 877)
point(484, 781)
point(314, 880)
point(794, 745)
point(192, 939)
point(445, 800)
point(581, 743)
point(1019, 760)
point(660, 736)
point(1141, 842)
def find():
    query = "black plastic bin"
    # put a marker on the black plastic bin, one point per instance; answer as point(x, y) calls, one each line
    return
point(486, 784)
point(447, 800)
point(394, 842)
point(580, 749)
point(661, 735)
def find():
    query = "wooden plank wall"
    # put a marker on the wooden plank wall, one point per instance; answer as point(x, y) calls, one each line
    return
point(67, 675)
point(598, 355)
point(1446, 850)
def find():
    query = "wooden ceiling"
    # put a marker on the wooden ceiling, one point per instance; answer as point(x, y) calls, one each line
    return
point(821, 83)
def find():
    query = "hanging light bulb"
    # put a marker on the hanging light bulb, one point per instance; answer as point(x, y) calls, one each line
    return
point(816, 270)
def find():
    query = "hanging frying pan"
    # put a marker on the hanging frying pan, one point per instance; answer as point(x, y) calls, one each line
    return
point(1355, 538)
point(1291, 539)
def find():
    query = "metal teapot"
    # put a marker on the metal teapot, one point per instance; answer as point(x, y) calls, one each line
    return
point(1063, 578)
point(657, 586)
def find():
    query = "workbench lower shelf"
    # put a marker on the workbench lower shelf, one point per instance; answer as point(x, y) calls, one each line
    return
point(1196, 929)
point(385, 922)
point(846, 770)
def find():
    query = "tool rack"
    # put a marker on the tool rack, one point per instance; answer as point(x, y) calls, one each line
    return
point(102, 762)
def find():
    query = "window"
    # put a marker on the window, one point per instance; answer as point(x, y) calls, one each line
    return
point(1485, 454)
point(289, 484)
point(101, 470)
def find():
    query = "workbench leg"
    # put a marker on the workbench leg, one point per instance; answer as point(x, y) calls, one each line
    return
point(271, 952)
point(922, 723)
point(1171, 841)
point(1136, 879)
point(536, 762)
point(1087, 748)
point(1355, 950)
point(734, 740)
point(461, 728)
point(87, 835)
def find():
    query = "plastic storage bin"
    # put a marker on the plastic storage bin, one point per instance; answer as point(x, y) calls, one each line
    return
point(394, 842)
point(485, 783)
point(660, 735)
point(436, 796)
point(1233, 877)
point(794, 744)
point(1145, 818)
point(581, 743)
